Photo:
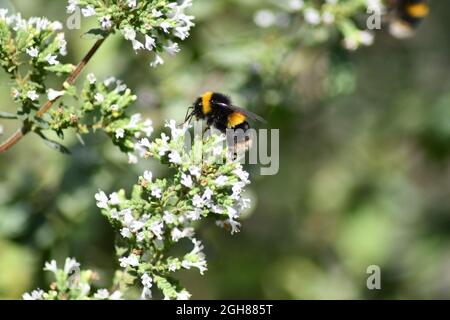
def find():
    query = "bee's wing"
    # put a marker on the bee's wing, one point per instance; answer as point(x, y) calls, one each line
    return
point(245, 112)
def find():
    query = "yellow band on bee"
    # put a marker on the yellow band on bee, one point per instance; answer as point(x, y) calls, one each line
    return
point(235, 119)
point(206, 102)
point(418, 10)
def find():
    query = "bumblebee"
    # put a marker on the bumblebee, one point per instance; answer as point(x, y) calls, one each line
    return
point(219, 112)
point(407, 15)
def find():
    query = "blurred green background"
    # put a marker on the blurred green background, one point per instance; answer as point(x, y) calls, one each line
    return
point(364, 162)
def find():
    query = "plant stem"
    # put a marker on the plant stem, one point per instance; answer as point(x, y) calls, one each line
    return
point(26, 128)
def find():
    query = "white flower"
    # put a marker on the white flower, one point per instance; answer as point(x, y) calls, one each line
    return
point(149, 43)
point(126, 233)
point(158, 61)
point(73, 5)
point(156, 13)
point(366, 38)
point(165, 26)
point(132, 260)
point(102, 200)
point(137, 45)
point(32, 95)
point(264, 18)
point(156, 192)
point(172, 48)
point(129, 33)
point(312, 16)
point(134, 121)
point(105, 22)
point(91, 78)
point(183, 295)
point(116, 295)
point(145, 143)
point(35, 295)
point(51, 266)
point(132, 159)
point(243, 175)
point(1, 130)
point(195, 171)
point(186, 180)
point(156, 228)
point(137, 225)
point(51, 59)
point(168, 217)
point(221, 181)
point(132, 3)
point(147, 128)
point(71, 265)
point(114, 199)
point(146, 280)
point(198, 201)
point(296, 4)
point(175, 157)
point(99, 98)
point(89, 11)
point(120, 133)
point(207, 194)
point(32, 52)
point(194, 215)
point(53, 94)
point(101, 294)
point(148, 176)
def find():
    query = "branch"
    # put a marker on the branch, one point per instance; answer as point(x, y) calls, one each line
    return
point(20, 133)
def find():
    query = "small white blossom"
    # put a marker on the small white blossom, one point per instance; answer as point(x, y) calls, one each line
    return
point(157, 229)
point(32, 52)
point(102, 200)
point(114, 199)
point(91, 78)
point(186, 180)
point(158, 61)
point(32, 95)
point(51, 266)
point(51, 59)
point(120, 133)
point(71, 265)
point(35, 295)
point(101, 294)
point(175, 157)
point(195, 171)
point(131, 261)
point(156, 192)
point(148, 176)
point(89, 11)
point(221, 181)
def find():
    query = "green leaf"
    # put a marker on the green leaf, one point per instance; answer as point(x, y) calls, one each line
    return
point(95, 34)
point(7, 115)
point(53, 144)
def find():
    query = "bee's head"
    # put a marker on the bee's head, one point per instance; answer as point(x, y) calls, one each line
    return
point(195, 111)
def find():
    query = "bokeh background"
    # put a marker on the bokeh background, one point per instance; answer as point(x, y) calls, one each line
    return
point(364, 160)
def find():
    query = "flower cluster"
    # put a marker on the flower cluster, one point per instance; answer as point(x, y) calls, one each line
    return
point(38, 45)
point(152, 25)
point(323, 17)
point(71, 283)
point(103, 106)
point(162, 213)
